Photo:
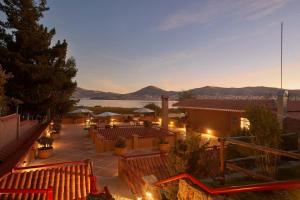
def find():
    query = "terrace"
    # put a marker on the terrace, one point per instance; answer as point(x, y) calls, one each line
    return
point(74, 144)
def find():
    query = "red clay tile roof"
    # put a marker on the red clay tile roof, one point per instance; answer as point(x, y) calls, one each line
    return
point(134, 168)
point(69, 181)
point(127, 132)
point(234, 104)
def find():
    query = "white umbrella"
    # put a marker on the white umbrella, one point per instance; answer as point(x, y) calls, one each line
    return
point(107, 114)
point(144, 110)
point(80, 110)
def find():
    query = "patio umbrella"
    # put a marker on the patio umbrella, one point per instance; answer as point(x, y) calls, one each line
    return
point(80, 111)
point(107, 114)
point(144, 110)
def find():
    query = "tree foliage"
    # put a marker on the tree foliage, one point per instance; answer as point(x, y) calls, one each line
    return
point(42, 74)
point(194, 157)
point(266, 130)
point(3, 78)
point(154, 107)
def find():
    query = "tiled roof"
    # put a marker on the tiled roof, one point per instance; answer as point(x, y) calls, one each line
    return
point(234, 104)
point(127, 132)
point(134, 168)
point(69, 181)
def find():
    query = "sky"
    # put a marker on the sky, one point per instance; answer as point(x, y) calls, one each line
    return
point(124, 45)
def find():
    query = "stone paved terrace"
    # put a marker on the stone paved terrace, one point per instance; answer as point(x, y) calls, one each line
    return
point(74, 144)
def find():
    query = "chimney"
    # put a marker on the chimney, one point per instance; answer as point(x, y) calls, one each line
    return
point(282, 99)
point(165, 110)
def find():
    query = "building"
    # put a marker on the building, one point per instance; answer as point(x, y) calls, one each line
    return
point(223, 117)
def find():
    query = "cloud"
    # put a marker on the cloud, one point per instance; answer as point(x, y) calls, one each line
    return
point(213, 9)
point(201, 15)
point(260, 8)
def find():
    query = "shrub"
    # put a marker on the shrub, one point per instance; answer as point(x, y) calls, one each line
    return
point(147, 123)
point(120, 142)
point(162, 140)
point(46, 142)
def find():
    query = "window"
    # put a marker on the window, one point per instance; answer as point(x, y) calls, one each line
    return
point(245, 124)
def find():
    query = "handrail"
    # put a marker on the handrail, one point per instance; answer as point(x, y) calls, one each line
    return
point(49, 191)
point(278, 185)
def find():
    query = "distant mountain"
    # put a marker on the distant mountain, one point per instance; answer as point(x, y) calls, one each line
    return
point(154, 93)
point(151, 93)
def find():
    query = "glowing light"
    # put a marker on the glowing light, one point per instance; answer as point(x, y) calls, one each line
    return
point(48, 133)
point(139, 198)
point(171, 123)
point(149, 195)
point(208, 131)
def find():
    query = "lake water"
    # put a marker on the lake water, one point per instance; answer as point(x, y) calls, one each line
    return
point(119, 103)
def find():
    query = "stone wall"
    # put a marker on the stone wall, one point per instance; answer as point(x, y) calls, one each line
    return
point(134, 142)
point(188, 192)
point(9, 130)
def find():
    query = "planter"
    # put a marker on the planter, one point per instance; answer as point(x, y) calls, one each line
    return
point(164, 148)
point(120, 151)
point(45, 153)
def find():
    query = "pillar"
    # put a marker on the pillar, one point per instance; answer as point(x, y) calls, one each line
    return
point(165, 110)
point(282, 99)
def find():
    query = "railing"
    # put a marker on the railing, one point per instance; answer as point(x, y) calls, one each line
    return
point(278, 185)
point(48, 192)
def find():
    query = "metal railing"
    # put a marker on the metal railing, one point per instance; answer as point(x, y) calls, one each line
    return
point(277, 185)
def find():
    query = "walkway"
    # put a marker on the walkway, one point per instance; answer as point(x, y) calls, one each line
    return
point(74, 144)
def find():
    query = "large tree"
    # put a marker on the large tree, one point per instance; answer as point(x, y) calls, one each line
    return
point(3, 78)
point(42, 75)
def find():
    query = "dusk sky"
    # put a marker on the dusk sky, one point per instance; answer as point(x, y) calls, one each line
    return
point(123, 45)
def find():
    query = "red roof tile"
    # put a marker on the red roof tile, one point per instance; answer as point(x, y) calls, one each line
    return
point(234, 104)
point(134, 168)
point(127, 132)
point(68, 180)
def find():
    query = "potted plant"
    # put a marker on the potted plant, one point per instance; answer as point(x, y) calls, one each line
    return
point(147, 124)
point(120, 146)
point(164, 145)
point(46, 150)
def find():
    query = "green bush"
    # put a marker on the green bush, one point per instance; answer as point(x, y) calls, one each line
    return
point(162, 140)
point(147, 123)
point(120, 142)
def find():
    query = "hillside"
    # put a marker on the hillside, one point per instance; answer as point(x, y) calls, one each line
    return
point(154, 93)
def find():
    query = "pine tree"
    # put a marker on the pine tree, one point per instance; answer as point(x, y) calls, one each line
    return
point(3, 79)
point(42, 75)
